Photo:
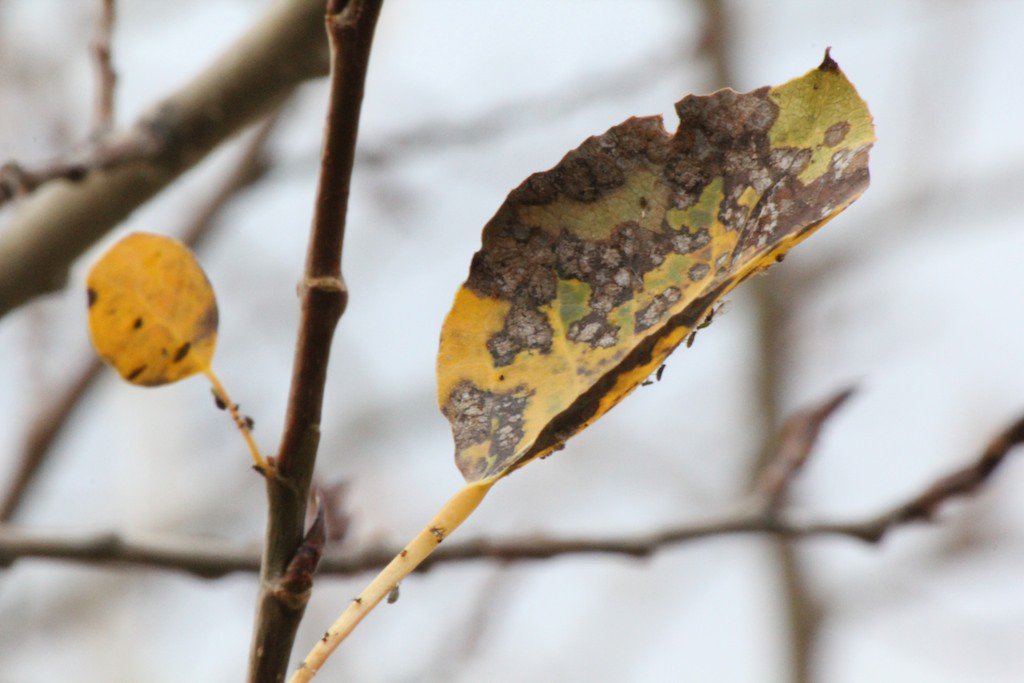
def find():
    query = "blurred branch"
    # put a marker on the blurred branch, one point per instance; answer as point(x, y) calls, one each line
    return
point(777, 462)
point(106, 77)
point(75, 201)
point(350, 29)
point(208, 558)
point(51, 421)
point(526, 113)
point(43, 432)
point(797, 439)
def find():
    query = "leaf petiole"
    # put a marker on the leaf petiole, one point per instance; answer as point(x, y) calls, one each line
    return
point(458, 508)
point(243, 423)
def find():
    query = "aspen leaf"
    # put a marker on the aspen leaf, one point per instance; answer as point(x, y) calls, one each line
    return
point(592, 272)
point(152, 312)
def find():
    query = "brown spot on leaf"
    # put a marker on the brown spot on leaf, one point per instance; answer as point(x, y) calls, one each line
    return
point(836, 133)
point(207, 325)
point(137, 324)
point(698, 271)
point(182, 351)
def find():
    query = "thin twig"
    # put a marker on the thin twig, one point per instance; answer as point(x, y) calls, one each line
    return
point(42, 434)
point(58, 221)
point(106, 77)
point(350, 28)
point(797, 439)
point(211, 559)
point(50, 423)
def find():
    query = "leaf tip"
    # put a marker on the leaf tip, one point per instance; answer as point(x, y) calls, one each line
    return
point(828, 64)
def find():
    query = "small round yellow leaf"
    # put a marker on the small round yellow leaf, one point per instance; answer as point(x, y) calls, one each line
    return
point(152, 312)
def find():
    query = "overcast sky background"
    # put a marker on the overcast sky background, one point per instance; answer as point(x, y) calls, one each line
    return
point(914, 294)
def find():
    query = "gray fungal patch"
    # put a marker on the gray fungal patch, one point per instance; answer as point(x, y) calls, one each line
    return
point(698, 271)
point(652, 313)
point(477, 416)
point(595, 330)
point(524, 329)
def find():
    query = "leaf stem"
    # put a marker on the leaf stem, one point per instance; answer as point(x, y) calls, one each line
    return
point(455, 511)
point(261, 464)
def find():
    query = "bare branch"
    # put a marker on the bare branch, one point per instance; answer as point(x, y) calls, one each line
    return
point(106, 77)
point(59, 220)
point(50, 423)
point(798, 436)
point(350, 29)
point(42, 434)
point(210, 559)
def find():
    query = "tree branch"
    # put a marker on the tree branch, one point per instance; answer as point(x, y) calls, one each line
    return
point(350, 28)
point(211, 559)
point(106, 77)
point(76, 201)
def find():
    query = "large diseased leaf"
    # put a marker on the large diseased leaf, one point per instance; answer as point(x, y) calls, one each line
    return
point(591, 273)
point(152, 312)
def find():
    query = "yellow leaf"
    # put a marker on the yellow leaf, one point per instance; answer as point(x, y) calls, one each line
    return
point(152, 312)
point(591, 273)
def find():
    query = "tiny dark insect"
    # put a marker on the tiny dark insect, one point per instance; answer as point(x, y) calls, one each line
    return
point(91, 293)
point(358, 601)
point(403, 553)
point(218, 401)
point(658, 374)
point(704, 323)
point(393, 595)
point(646, 383)
point(137, 324)
point(327, 636)
point(249, 423)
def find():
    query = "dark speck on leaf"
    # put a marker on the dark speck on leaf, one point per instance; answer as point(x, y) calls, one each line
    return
point(136, 372)
point(137, 324)
point(182, 351)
